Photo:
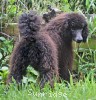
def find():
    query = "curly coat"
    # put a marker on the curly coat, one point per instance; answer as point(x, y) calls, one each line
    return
point(48, 49)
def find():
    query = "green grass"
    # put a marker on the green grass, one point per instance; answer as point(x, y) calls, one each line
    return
point(82, 90)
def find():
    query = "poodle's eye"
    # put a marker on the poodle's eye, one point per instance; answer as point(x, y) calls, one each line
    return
point(85, 25)
point(73, 29)
point(76, 31)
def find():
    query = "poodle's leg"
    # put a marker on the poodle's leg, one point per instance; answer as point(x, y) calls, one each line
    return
point(65, 73)
point(48, 67)
point(47, 73)
point(17, 70)
point(18, 63)
point(66, 62)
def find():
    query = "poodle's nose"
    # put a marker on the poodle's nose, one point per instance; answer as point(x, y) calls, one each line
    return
point(79, 40)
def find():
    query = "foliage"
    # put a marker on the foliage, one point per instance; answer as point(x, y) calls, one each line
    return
point(3, 74)
point(31, 76)
point(82, 90)
point(92, 26)
point(86, 62)
point(87, 6)
point(6, 47)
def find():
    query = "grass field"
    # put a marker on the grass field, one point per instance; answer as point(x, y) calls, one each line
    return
point(82, 90)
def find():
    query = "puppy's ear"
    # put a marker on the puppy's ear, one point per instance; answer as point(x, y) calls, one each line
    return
point(64, 26)
point(85, 33)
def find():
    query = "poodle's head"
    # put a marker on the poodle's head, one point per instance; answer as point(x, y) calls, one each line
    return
point(76, 25)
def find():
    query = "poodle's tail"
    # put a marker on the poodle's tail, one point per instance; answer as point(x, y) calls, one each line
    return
point(29, 23)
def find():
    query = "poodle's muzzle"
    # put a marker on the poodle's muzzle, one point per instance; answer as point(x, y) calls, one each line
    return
point(77, 35)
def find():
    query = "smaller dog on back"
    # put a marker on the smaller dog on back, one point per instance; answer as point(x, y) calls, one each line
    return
point(48, 49)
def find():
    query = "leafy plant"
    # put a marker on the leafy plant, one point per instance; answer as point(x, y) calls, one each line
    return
point(6, 47)
point(3, 74)
point(85, 62)
point(31, 76)
point(87, 6)
point(92, 26)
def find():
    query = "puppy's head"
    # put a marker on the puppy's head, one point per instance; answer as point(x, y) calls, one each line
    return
point(77, 26)
point(80, 34)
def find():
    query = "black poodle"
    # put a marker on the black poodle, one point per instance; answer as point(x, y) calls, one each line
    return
point(48, 49)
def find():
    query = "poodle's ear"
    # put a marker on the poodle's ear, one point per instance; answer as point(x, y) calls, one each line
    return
point(85, 33)
point(65, 25)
